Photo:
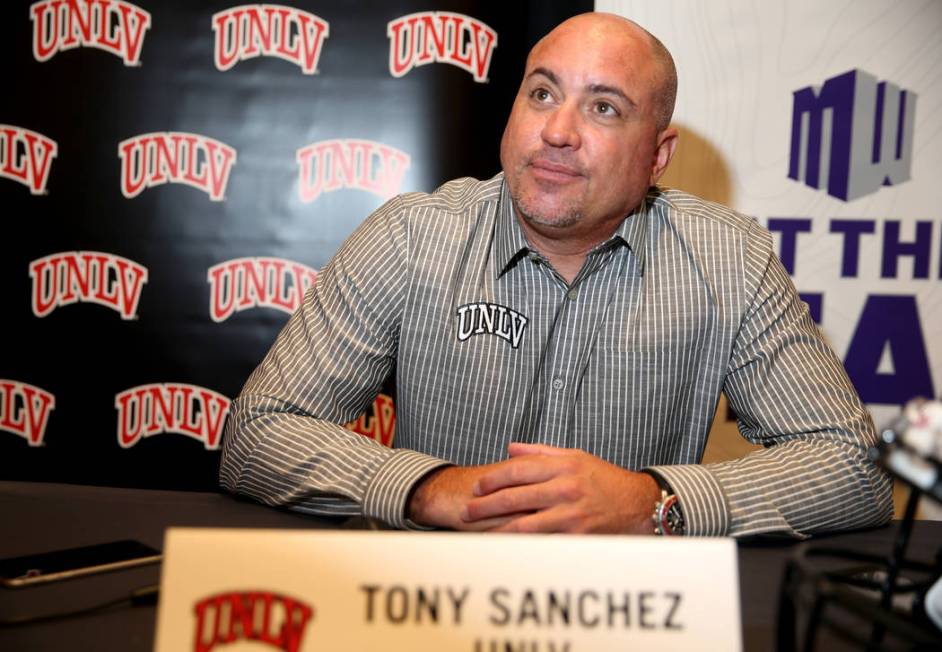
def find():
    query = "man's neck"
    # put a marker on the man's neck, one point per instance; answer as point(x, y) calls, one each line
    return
point(564, 249)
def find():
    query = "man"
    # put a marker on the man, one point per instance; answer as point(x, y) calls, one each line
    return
point(560, 336)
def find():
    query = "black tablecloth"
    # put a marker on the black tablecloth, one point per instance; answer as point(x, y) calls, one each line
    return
point(38, 517)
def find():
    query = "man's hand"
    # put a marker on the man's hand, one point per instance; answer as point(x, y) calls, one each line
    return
point(547, 489)
point(440, 498)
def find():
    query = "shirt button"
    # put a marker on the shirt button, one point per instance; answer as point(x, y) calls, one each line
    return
point(558, 383)
point(572, 294)
point(535, 257)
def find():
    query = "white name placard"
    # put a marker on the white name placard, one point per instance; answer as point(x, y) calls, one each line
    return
point(374, 591)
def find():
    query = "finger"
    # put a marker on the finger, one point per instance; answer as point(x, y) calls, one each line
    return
point(514, 472)
point(556, 519)
point(517, 448)
point(509, 501)
point(484, 525)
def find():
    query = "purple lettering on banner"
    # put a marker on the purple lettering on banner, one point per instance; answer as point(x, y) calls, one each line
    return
point(789, 227)
point(852, 135)
point(920, 249)
point(815, 301)
point(889, 322)
point(852, 230)
point(878, 127)
point(808, 126)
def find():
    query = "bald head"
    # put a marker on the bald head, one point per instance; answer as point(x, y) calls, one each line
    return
point(602, 27)
point(589, 132)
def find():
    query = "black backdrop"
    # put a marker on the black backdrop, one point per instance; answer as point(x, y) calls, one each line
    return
point(87, 100)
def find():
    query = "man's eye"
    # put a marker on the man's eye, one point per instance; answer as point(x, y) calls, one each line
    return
point(540, 95)
point(604, 108)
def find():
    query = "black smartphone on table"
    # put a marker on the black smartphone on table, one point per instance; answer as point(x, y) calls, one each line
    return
point(28, 570)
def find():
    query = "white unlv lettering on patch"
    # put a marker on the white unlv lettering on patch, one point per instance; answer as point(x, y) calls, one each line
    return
point(490, 319)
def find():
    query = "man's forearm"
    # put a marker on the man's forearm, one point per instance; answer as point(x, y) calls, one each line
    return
point(795, 489)
point(284, 458)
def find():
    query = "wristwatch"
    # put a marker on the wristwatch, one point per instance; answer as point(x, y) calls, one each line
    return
point(668, 517)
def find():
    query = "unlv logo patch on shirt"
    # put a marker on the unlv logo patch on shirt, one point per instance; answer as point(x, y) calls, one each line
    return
point(490, 319)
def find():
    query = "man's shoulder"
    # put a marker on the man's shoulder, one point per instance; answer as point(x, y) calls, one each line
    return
point(679, 206)
point(455, 196)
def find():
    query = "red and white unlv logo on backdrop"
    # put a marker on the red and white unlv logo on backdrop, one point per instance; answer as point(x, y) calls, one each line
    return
point(24, 410)
point(111, 25)
point(382, 425)
point(262, 616)
point(149, 160)
point(442, 37)
point(251, 31)
point(359, 164)
point(26, 156)
point(243, 283)
point(89, 277)
point(179, 408)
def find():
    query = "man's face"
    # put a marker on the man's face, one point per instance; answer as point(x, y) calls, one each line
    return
point(581, 147)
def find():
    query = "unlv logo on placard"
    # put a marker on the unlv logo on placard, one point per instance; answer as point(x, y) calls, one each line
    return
point(111, 25)
point(149, 160)
point(179, 408)
point(26, 156)
point(442, 37)
point(89, 277)
point(24, 410)
point(271, 618)
point(251, 31)
point(359, 164)
point(243, 283)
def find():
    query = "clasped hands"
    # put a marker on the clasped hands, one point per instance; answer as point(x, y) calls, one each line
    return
point(538, 489)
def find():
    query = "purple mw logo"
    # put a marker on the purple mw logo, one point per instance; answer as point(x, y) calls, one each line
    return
point(853, 133)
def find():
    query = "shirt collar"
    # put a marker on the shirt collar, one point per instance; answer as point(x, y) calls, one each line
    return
point(633, 231)
point(511, 244)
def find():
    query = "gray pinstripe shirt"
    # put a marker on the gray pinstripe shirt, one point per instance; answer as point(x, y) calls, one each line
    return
point(489, 345)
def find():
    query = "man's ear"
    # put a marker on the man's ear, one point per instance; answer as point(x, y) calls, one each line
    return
point(663, 153)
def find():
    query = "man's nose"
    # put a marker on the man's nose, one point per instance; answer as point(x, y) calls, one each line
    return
point(561, 128)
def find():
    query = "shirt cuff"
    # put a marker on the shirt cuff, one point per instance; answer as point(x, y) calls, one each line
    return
point(389, 489)
point(701, 499)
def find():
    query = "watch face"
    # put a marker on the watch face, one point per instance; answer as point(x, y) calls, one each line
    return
point(669, 519)
point(674, 518)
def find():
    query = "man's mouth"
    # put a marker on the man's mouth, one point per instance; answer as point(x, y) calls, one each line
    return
point(552, 171)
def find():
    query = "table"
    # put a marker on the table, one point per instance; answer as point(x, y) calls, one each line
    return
point(42, 516)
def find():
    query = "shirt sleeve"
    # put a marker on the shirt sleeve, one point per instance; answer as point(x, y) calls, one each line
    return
point(792, 396)
point(284, 443)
